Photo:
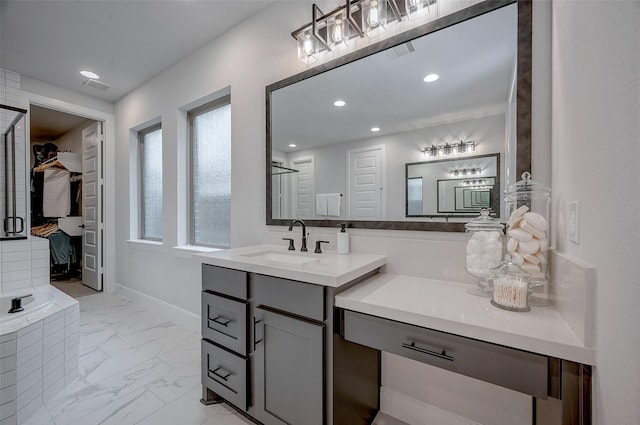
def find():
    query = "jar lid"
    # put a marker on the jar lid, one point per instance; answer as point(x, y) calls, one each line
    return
point(509, 268)
point(527, 185)
point(484, 222)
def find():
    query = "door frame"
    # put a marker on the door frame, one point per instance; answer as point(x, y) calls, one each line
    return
point(383, 176)
point(108, 164)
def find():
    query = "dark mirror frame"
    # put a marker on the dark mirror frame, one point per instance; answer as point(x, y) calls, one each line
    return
point(523, 105)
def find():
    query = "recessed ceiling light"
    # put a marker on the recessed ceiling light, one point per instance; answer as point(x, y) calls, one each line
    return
point(292, 145)
point(374, 129)
point(339, 103)
point(90, 74)
point(431, 78)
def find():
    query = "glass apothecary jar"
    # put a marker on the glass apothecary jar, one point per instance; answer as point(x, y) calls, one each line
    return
point(484, 250)
point(527, 205)
point(510, 286)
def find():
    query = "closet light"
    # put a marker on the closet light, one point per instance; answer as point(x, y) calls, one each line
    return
point(90, 74)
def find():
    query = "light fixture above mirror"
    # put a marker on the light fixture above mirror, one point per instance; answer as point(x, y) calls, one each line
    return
point(332, 32)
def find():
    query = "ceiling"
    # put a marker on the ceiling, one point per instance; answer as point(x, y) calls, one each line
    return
point(125, 42)
point(475, 61)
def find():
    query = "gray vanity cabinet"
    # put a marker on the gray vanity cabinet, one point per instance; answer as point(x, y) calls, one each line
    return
point(289, 368)
point(271, 348)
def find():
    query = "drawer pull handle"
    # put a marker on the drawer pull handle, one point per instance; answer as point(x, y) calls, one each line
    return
point(412, 346)
point(220, 375)
point(221, 320)
point(255, 341)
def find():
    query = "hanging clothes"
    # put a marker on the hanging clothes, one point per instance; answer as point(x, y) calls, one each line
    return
point(56, 194)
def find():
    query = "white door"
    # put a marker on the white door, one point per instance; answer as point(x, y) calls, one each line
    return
point(306, 186)
point(365, 183)
point(92, 206)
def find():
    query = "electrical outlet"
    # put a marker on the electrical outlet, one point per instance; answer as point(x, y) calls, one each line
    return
point(574, 221)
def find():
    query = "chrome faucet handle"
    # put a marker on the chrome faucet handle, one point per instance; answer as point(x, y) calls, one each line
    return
point(319, 247)
point(292, 247)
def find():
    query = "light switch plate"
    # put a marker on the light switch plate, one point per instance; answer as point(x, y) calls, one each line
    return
point(574, 221)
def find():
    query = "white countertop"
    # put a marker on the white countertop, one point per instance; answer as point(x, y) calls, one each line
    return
point(328, 268)
point(447, 307)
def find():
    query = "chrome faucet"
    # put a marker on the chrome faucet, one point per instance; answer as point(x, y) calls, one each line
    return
point(304, 232)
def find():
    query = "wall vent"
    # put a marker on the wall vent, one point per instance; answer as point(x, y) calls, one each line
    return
point(96, 84)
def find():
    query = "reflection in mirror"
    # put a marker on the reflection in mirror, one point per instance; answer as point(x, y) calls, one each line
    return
point(453, 188)
point(331, 162)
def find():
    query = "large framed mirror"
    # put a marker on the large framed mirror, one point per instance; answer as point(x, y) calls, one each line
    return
point(329, 164)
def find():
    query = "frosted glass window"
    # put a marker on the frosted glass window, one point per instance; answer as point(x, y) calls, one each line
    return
point(151, 183)
point(210, 128)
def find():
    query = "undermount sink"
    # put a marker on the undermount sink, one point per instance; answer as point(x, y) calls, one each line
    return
point(280, 257)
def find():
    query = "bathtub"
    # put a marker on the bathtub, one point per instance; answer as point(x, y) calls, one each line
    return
point(38, 350)
point(41, 299)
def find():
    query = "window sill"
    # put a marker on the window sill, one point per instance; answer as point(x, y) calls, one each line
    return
point(145, 244)
point(186, 251)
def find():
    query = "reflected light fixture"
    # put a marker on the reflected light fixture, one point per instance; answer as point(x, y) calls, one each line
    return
point(449, 149)
point(90, 74)
point(375, 129)
point(292, 145)
point(339, 103)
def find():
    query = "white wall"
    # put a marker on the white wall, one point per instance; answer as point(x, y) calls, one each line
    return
point(595, 151)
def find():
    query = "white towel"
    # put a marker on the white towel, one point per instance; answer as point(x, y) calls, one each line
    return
point(56, 194)
point(321, 204)
point(333, 204)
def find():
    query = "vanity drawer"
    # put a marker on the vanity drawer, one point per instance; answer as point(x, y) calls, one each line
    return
point(508, 367)
point(225, 321)
point(234, 283)
point(225, 374)
point(302, 299)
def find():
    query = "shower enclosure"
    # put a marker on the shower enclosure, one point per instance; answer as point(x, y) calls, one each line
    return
point(13, 175)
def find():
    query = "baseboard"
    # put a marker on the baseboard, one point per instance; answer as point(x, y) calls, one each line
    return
point(177, 314)
point(416, 412)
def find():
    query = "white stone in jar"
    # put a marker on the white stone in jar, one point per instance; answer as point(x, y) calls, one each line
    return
point(536, 220)
point(520, 234)
point(512, 245)
point(529, 247)
point(527, 227)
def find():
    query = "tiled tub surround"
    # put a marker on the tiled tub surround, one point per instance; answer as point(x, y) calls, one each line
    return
point(38, 353)
point(24, 264)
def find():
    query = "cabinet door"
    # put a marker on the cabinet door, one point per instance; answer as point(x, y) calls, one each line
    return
point(289, 370)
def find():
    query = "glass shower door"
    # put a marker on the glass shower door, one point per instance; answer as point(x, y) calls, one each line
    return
point(13, 176)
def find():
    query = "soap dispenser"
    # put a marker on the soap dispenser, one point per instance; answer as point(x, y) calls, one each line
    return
point(343, 240)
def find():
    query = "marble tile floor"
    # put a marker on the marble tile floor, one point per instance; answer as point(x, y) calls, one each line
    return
point(136, 367)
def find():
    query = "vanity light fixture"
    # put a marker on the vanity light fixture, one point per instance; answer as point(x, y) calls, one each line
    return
point(331, 32)
point(90, 74)
point(449, 149)
point(339, 103)
point(292, 145)
point(375, 129)
point(465, 171)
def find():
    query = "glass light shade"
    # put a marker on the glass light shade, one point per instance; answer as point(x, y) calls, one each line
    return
point(339, 32)
point(374, 17)
point(307, 47)
point(419, 9)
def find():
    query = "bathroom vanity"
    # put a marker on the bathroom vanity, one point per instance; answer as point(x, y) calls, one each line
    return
point(296, 338)
point(270, 336)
